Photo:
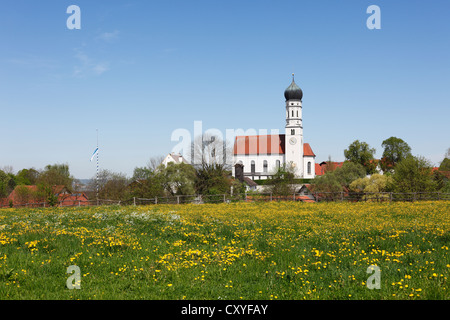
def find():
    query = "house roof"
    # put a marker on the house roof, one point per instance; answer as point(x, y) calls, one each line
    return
point(265, 144)
point(60, 191)
point(177, 158)
point(57, 190)
point(250, 182)
point(321, 167)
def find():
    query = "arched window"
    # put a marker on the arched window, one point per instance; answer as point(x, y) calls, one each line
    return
point(253, 166)
point(297, 113)
point(309, 167)
point(292, 113)
point(293, 132)
point(265, 166)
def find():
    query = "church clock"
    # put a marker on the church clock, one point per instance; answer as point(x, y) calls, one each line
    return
point(292, 140)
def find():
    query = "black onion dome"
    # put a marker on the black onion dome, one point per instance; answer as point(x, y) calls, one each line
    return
point(293, 92)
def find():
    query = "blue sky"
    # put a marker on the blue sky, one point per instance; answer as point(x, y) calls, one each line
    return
point(138, 70)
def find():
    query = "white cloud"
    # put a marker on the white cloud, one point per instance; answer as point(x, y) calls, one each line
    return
point(109, 36)
point(101, 68)
point(88, 66)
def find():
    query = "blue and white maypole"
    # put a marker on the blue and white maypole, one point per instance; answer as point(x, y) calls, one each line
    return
point(92, 158)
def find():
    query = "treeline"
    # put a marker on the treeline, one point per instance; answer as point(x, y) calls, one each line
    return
point(147, 182)
point(44, 180)
point(162, 181)
point(397, 171)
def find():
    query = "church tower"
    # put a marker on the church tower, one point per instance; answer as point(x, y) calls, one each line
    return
point(294, 128)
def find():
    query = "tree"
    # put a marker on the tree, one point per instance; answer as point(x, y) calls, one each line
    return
point(328, 183)
point(360, 152)
point(177, 179)
point(25, 195)
point(142, 173)
point(442, 176)
point(338, 180)
point(210, 150)
point(445, 165)
point(47, 194)
point(111, 185)
point(27, 177)
point(57, 174)
point(213, 179)
point(281, 182)
point(348, 173)
point(395, 150)
point(413, 174)
point(374, 185)
point(146, 184)
point(154, 162)
point(7, 183)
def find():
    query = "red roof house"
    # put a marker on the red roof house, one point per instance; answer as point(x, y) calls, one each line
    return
point(32, 197)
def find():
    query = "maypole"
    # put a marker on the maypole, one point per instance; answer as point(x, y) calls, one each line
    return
point(97, 167)
point(96, 152)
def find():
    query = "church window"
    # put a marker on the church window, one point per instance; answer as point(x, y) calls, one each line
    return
point(265, 166)
point(309, 167)
point(297, 113)
point(293, 132)
point(292, 113)
point(253, 166)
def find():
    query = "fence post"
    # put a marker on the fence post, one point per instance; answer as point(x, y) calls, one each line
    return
point(342, 196)
point(293, 197)
point(178, 199)
point(390, 197)
point(271, 197)
point(156, 200)
point(134, 201)
point(245, 196)
point(224, 199)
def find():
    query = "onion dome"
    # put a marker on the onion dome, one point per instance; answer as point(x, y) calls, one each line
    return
point(293, 92)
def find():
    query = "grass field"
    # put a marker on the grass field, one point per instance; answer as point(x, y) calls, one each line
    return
point(281, 250)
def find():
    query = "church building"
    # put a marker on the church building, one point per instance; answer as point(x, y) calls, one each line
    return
point(258, 157)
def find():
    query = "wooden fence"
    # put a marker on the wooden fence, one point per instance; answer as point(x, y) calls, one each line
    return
point(254, 197)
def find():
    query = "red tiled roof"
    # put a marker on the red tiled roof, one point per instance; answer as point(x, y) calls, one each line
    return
point(265, 144)
point(64, 197)
point(268, 144)
point(321, 167)
point(305, 199)
point(307, 151)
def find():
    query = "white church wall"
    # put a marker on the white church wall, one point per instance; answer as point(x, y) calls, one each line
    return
point(306, 160)
point(259, 163)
